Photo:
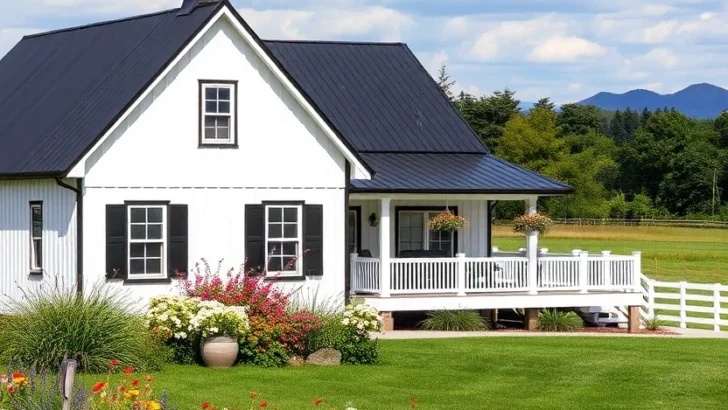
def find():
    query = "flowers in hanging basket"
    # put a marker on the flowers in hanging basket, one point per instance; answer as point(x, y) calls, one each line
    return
point(447, 222)
point(529, 223)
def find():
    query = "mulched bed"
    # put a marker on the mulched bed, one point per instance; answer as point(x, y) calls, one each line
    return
point(610, 330)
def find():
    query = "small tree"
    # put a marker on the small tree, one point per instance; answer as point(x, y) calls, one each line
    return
point(443, 80)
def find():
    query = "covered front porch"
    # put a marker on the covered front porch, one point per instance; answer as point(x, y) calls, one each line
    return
point(398, 264)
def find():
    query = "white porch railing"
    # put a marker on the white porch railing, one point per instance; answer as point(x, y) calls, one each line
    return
point(462, 275)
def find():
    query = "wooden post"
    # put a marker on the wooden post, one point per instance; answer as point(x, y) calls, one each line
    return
point(532, 249)
point(716, 307)
point(66, 382)
point(607, 265)
point(384, 247)
point(683, 305)
point(583, 272)
point(633, 324)
point(462, 285)
point(531, 319)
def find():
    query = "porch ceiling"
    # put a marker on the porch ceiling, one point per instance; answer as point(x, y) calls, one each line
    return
point(453, 173)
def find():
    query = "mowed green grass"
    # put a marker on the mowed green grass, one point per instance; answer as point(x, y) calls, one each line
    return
point(480, 373)
point(668, 254)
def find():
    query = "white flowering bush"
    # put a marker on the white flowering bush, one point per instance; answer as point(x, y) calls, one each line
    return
point(172, 315)
point(362, 318)
point(216, 319)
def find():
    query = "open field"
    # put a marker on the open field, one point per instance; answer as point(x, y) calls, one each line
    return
point(480, 373)
point(668, 254)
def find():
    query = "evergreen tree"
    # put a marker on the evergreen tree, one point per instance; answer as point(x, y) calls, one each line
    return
point(545, 103)
point(646, 114)
point(443, 80)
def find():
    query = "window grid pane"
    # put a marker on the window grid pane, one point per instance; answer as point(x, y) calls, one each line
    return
point(146, 241)
point(283, 238)
point(36, 236)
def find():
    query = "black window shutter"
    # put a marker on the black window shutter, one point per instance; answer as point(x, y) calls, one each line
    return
point(255, 252)
point(313, 240)
point(177, 253)
point(116, 260)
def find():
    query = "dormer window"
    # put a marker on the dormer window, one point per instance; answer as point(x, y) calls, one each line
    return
point(218, 114)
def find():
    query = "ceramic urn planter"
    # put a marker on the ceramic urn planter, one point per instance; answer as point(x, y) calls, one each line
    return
point(219, 352)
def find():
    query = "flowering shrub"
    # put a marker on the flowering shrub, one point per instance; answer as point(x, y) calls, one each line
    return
point(447, 222)
point(277, 331)
point(216, 319)
point(129, 393)
point(172, 315)
point(14, 387)
point(362, 319)
point(529, 223)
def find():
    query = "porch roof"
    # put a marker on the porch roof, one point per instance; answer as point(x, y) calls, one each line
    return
point(453, 173)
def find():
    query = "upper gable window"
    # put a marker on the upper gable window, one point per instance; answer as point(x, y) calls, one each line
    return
point(218, 109)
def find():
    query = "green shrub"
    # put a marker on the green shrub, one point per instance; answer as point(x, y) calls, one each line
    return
point(653, 323)
point(357, 349)
point(454, 321)
point(53, 323)
point(331, 334)
point(558, 321)
point(356, 346)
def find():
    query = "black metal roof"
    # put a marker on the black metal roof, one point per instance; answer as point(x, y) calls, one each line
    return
point(453, 173)
point(60, 91)
point(378, 95)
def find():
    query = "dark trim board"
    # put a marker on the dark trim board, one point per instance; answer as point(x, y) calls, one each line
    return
point(398, 209)
point(462, 191)
point(347, 255)
point(357, 209)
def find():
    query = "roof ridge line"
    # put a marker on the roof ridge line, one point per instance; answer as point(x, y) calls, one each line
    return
point(350, 42)
point(104, 23)
point(424, 153)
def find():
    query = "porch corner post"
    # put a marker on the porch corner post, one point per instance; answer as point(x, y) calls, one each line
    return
point(385, 247)
point(583, 272)
point(462, 282)
point(637, 271)
point(353, 285)
point(532, 249)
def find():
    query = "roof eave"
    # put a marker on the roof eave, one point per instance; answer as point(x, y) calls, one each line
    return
point(476, 191)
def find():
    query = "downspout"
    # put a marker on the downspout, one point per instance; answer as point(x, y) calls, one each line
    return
point(78, 189)
point(347, 264)
point(491, 208)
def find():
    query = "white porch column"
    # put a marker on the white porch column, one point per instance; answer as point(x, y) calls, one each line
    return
point(532, 249)
point(384, 246)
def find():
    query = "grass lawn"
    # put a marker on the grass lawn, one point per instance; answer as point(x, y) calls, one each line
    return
point(668, 254)
point(485, 373)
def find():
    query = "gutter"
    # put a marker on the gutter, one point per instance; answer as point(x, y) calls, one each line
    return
point(78, 190)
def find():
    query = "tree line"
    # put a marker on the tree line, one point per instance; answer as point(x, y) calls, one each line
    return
point(623, 164)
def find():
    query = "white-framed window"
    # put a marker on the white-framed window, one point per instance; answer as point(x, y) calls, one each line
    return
point(283, 238)
point(217, 113)
point(414, 233)
point(36, 236)
point(147, 241)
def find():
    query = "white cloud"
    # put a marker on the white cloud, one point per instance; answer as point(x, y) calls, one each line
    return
point(659, 58)
point(659, 32)
point(707, 16)
point(433, 61)
point(509, 37)
point(565, 49)
point(574, 87)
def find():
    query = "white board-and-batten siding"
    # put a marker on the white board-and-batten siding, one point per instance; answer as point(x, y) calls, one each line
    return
point(283, 155)
point(59, 235)
point(472, 241)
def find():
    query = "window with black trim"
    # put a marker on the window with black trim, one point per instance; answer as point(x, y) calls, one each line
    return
point(217, 113)
point(147, 241)
point(414, 233)
point(36, 236)
point(283, 237)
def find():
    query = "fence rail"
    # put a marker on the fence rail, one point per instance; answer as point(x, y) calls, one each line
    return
point(686, 303)
point(678, 223)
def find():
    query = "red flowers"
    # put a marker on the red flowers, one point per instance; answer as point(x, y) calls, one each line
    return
point(263, 404)
point(318, 401)
point(135, 383)
point(205, 405)
point(128, 370)
point(99, 387)
point(113, 363)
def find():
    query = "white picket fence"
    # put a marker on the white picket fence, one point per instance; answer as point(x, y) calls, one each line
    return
point(686, 303)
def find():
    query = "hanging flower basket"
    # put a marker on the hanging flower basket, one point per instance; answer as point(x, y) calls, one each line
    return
point(532, 223)
point(447, 222)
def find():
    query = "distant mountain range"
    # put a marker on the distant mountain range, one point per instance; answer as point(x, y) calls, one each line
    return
point(697, 101)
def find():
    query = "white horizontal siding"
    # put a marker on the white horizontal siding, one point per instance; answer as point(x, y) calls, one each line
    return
point(472, 241)
point(59, 235)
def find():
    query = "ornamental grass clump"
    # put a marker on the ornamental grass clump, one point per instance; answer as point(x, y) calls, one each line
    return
point(532, 223)
point(54, 323)
point(454, 321)
point(552, 320)
point(447, 222)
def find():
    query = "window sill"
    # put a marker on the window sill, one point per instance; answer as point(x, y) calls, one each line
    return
point(161, 281)
point(285, 278)
point(219, 146)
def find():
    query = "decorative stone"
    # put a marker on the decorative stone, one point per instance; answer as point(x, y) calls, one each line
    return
point(325, 357)
point(296, 361)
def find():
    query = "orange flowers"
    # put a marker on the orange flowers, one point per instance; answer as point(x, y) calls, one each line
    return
point(99, 387)
point(318, 401)
point(128, 370)
point(447, 222)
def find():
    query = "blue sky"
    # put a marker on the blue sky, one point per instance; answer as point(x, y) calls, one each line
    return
point(564, 49)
